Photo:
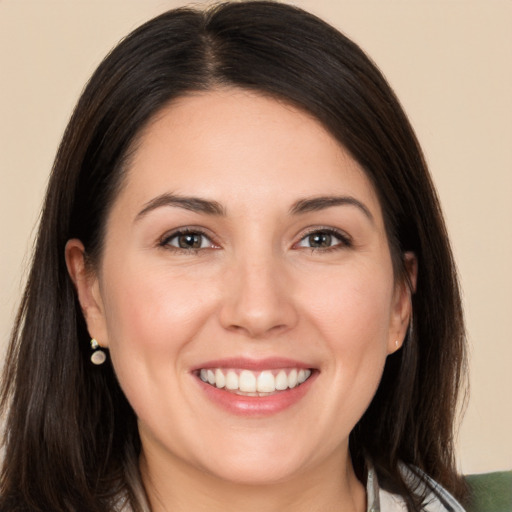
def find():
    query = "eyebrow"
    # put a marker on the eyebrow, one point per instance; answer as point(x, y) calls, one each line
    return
point(209, 207)
point(193, 204)
point(313, 204)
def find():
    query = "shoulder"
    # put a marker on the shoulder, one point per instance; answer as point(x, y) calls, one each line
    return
point(436, 498)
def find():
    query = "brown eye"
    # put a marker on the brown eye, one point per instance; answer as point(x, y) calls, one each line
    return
point(324, 239)
point(319, 240)
point(187, 240)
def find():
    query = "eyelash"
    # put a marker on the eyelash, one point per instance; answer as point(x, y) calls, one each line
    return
point(166, 239)
point(344, 240)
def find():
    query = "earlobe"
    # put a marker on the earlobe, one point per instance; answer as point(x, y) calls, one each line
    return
point(88, 290)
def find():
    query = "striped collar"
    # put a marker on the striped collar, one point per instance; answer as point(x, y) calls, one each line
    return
point(437, 499)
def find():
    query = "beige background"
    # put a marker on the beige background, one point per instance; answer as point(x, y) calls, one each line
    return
point(450, 64)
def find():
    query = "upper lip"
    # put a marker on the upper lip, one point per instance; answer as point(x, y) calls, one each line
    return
point(243, 363)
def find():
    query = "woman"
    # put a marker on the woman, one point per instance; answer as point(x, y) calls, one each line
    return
point(242, 295)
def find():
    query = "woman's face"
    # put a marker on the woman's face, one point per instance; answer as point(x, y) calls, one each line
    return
point(246, 248)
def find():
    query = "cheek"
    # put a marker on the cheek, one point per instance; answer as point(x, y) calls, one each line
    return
point(352, 307)
point(152, 307)
point(352, 315)
point(152, 318)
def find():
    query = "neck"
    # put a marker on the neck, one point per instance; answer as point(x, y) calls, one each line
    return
point(179, 487)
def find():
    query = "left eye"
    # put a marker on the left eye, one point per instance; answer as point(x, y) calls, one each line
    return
point(188, 240)
point(323, 240)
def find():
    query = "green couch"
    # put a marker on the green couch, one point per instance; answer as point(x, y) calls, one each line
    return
point(490, 492)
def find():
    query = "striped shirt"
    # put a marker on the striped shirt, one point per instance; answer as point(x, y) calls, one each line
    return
point(437, 499)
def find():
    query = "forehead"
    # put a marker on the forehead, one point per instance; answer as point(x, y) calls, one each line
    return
point(229, 144)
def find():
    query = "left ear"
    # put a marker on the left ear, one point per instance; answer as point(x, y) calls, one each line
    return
point(401, 313)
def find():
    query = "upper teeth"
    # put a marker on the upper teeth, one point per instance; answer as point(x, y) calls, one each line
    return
point(267, 381)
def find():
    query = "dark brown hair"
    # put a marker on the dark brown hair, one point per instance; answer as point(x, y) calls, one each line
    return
point(71, 438)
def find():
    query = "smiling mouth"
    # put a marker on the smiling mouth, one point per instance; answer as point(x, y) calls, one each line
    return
point(249, 383)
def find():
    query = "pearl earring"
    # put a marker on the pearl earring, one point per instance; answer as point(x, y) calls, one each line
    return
point(98, 356)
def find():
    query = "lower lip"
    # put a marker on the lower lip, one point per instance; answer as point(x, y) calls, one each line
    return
point(256, 405)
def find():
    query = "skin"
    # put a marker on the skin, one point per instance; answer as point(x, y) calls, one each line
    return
point(254, 289)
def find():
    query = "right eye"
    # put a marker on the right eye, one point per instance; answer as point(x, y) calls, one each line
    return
point(187, 241)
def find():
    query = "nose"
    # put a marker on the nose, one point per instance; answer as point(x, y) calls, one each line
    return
point(258, 299)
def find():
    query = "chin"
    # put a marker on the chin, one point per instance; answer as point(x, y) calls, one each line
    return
point(263, 473)
point(256, 465)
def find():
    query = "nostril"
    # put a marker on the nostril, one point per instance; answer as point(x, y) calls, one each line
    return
point(257, 330)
